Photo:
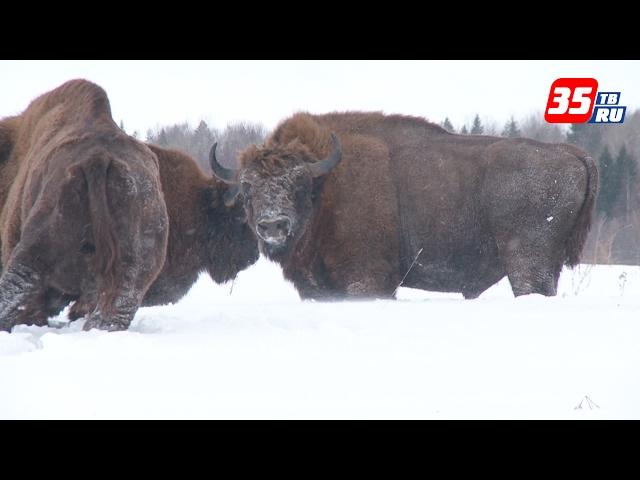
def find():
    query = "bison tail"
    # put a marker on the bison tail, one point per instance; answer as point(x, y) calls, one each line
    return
point(103, 227)
point(578, 237)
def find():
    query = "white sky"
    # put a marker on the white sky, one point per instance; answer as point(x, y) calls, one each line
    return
point(145, 94)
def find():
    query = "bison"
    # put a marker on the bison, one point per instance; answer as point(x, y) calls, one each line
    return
point(92, 216)
point(204, 234)
point(83, 216)
point(354, 204)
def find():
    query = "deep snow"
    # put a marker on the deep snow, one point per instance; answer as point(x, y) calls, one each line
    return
point(257, 351)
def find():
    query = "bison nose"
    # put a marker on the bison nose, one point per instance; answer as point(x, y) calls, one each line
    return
point(275, 229)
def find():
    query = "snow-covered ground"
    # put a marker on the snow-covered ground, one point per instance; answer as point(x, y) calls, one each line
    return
point(257, 351)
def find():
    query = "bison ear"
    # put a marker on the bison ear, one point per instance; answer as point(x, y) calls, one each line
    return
point(230, 195)
point(325, 165)
point(6, 143)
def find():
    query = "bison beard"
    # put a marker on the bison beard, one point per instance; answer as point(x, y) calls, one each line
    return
point(477, 206)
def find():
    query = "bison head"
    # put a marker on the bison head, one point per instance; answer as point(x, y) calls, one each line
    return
point(277, 184)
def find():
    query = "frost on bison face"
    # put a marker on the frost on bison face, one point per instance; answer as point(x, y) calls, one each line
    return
point(277, 186)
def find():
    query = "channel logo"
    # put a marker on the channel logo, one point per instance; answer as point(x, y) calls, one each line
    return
point(607, 109)
point(577, 100)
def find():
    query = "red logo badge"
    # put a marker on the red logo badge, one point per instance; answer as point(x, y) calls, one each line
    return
point(571, 100)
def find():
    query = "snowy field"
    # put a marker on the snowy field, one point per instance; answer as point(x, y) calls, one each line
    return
point(257, 351)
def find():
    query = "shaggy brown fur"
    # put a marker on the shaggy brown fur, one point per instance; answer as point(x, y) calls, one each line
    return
point(162, 212)
point(479, 207)
point(204, 235)
point(83, 216)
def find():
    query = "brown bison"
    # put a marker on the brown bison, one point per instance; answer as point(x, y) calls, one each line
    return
point(91, 215)
point(83, 216)
point(204, 234)
point(390, 199)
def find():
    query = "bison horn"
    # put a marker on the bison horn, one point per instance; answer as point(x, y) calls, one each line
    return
point(325, 165)
point(227, 175)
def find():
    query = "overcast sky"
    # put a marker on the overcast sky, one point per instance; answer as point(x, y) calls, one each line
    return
point(146, 94)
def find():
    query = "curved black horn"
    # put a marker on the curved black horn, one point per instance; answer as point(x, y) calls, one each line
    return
point(227, 175)
point(325, 165)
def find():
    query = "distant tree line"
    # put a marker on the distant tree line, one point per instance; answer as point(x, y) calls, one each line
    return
point(532, 126)
point(615, 235)
point(198, 142)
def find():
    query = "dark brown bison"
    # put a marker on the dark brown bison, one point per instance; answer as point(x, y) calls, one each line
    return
point(204, 234)
point(83, 217)
point(350, 215)
point(91, 215)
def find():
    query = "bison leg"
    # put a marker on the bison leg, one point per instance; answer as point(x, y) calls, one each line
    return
point(534, 273)
point(367, 288)
point(115, 312)
point(21, 298)
point(488, 276)
point(359, 285)
point(367, 278)
point(55, 301)
point(531, 264)
point(83, 306)
point(471, 294)
point(117, 302)
point(111, 322)
point(334, 279)
point(86, 302)
point(114, 309)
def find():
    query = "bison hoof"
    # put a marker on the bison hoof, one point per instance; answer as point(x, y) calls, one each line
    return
point(100, 323)
point(79, 310)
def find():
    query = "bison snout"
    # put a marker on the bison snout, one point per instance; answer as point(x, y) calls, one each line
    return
point(274, 230)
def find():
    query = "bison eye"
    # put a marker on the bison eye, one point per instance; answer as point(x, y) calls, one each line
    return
point(88, 248)
point(246, 188)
